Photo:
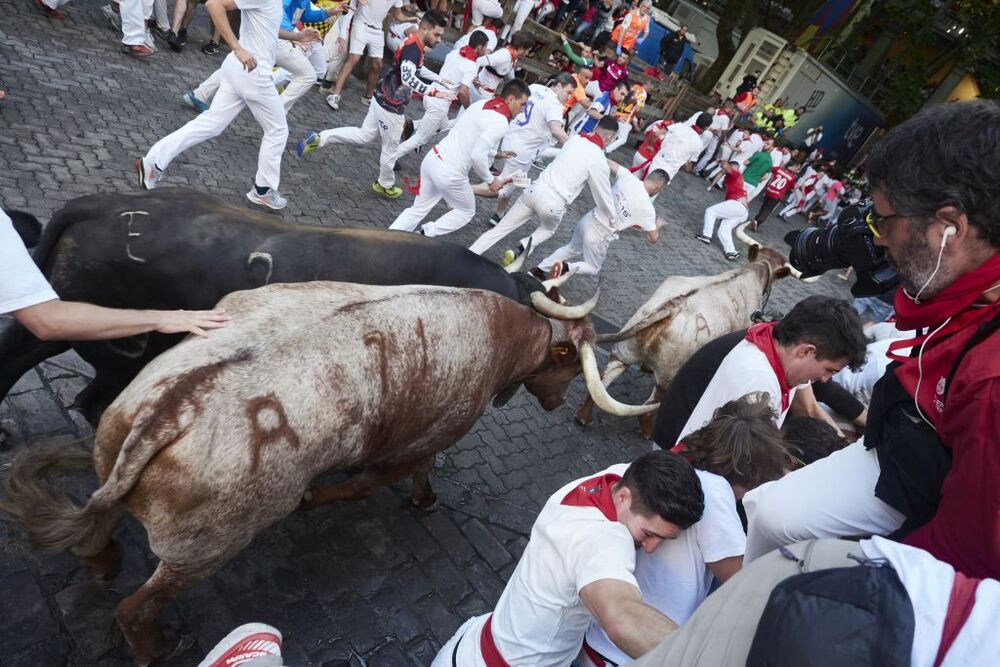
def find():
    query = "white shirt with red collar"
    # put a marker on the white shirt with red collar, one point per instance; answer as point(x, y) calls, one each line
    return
point(540, 619)
point(475, 137)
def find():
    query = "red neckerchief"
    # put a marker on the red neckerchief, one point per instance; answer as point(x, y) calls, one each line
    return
point(499, 105)
point(960, 603)
point(762, 336)
point(595, 492)
point(468, 52)
point(724, 112)
point(698, 130)
point(412, 39)
point(492, 28)
point(594, 139)
point(955, 302)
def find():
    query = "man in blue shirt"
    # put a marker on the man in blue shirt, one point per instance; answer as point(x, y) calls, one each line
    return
point(603, 105)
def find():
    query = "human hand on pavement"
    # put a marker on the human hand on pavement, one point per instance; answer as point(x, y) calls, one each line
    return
point(191, 321)
point(248, 61)
point(662, 222)
point(443, 94)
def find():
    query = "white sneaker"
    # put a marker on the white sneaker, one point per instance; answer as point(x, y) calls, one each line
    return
point(251, 642)
point(112, 16)
point(270, 199)
point(149, 174)
point(334, 101)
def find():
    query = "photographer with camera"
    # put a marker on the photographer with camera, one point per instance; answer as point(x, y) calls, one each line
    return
point(927, 470)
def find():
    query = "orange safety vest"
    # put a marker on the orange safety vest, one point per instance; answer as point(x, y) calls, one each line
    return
point(637, 24)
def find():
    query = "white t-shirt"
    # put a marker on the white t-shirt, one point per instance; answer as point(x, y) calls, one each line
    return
point(21, 282)
point(681, 144)
point(748, 147)
point(373, 12)
point(580, 162)
point(675, 578)
point(491, 40)
point(928, 583)
point(635, 208)
point(259, 24)
point(744, 370)
point(860, 383)
point(540, 619)
point(472, 140)
point(502, 65)
point(456, 71)
point(720, 122)
point(529, 130)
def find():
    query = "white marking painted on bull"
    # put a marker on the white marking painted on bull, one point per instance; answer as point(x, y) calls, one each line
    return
point(266, 258)
point(131, 234)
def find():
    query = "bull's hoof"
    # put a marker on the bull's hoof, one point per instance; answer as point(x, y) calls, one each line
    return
point(584, 421)
point(160, 646)
point(426, 505)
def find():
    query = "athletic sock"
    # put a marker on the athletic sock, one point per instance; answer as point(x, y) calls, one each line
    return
point(260, 190)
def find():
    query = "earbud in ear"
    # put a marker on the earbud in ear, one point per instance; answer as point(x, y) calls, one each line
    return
point(949, 231)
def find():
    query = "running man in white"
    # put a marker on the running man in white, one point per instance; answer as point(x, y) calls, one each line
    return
point(444, 172)
point(681, 145)
point(245, 82)
point(536, 128)
point(367, 35)
point(580, 162)
point(634, 209)
point(721, 120)
point(385, 112)
point(579, 565)
point(497, 67)
point(487, 31)
point(456, 76)
point(482, 9)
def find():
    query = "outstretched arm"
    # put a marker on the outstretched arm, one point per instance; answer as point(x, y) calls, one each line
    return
point(70, 320)
point(634, 627)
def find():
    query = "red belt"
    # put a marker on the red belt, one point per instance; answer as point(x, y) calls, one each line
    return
point(595, 657)
point(488, 647)
point(435, 151)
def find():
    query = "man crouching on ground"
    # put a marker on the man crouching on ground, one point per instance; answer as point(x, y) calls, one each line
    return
point(579, 564)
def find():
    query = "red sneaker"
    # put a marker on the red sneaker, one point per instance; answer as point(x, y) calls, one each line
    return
point(140, 51)
point(51, 13)
point(556, 270)
point(245, 643)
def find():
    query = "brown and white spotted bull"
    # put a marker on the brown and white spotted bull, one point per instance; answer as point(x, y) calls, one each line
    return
point(683, 314)
point(219, 437)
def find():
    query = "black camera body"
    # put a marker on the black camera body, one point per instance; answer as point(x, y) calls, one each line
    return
point(847, 242)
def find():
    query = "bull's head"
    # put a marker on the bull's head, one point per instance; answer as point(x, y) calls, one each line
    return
point(777, 264)
point(572, 350)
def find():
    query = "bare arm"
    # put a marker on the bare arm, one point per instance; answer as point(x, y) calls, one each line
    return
point(724, 569)
point(804, 403)
point(70, 320)
point(558, 132)
point(634, 627)
point(217, 11)
point(464, 96)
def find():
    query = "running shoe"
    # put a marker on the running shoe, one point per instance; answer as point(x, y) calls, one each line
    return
point(494, 220)
point(732, 256)
point(175, 42)
point(333, 101)
point(211, 48)
point(704, 239)
point(270, 199)
point(182, 36)
point(392, 192)
point(308, 145)
point(138, 51)
point(160, 33)
point(246, 643)
point(149, 174)
point(48, 11)
point(192, 100)
point(366, 100)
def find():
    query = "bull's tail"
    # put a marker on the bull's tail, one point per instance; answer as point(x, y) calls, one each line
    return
point(52, 521)
point(663, 312)
point(27, 227)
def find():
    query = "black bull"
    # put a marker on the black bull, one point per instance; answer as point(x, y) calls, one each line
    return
point(181, 249)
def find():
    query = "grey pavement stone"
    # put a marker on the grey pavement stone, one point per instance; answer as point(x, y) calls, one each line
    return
point(371, 580)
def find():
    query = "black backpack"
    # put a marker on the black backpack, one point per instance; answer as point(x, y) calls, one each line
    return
point(846, 616)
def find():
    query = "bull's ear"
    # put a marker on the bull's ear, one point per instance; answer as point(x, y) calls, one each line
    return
point(752, 252)
point(504, 395)
point(782, 272)
point(563, 352)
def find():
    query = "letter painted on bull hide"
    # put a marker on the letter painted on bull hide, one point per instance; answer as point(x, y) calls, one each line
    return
point(131, 235)
point(268, 424)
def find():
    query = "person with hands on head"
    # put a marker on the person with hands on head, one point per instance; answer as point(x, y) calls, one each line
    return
point(25, 293)
point(245, 81)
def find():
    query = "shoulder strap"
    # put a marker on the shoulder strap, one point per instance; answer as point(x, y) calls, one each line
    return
point(985, 331)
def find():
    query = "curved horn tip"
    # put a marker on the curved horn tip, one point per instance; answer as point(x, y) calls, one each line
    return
point(599, 393)
point(546, 306)
point(516, 265)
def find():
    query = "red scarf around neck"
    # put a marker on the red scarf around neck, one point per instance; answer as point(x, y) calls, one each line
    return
point(594, 139)
point(762, 336)
point(468, 52)
point(499, 105)
point(955, 302)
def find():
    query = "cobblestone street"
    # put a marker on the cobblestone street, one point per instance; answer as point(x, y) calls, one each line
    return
point(362, 583)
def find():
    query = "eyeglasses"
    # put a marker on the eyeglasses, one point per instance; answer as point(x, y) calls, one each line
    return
point(876, 223)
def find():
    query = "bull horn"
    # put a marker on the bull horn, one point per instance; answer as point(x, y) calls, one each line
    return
point(516, 265)
point(742, 235)
point(546, 306)
point(558, 282)
point(599, 393)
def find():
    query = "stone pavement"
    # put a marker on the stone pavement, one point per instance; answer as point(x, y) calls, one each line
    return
point(369, 582)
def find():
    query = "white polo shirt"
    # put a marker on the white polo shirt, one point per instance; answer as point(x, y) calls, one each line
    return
point(373, 12)
point(491, 39)
point(632, 203)
point(681, 144)
point(580, 162)
point(675, 578)
point(21, 282)
point(456, 71)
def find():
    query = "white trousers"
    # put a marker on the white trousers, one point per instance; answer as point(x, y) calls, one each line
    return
point(833, 497)
point(732, 213)
point(623, 131)
point(133, 14)
point(161, 14)
point(297, 61)
point(522, 162)
point(794, 202)
point(434, 120)
point(364, 37)
point(522, 8)
point(483, 8)
point(538, 201)
point(467, 637)
point(706, 157)
point(238, 90)
point(438, 181)
point(755, 190)
point(590, 239)
point(378, 123)
point(335, 58)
